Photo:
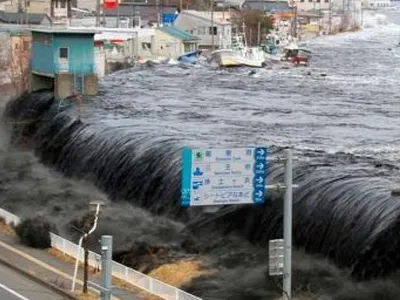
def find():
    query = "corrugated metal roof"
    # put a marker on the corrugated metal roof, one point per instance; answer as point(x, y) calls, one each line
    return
point(178, 33)
point(22, 18)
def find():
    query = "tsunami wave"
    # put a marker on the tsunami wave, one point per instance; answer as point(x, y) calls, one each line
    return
point(346, 214)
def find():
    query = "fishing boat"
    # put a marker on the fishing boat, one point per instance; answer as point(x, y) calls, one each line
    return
point(297, 54)
point(271, 48)
point(189, 57)
point(239, 55)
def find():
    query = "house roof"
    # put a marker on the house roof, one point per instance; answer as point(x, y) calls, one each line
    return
point(146, 12)
point(69, 30)
point(178, 33)
point(272, 6)
point(219, 18)
point(22, 18)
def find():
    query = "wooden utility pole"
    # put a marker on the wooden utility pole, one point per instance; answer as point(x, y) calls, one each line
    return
point(258, 33)
point(158, 13)
point(97, 13)
point(85, 266)
point(212, 26)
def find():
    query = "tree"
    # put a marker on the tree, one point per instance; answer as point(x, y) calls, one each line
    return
point(35, 232)
point(252, 19)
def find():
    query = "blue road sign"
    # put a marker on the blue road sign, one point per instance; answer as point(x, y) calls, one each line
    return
point(223, 176)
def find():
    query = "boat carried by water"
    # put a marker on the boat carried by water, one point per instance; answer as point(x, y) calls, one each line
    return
point(239, 55)
point(285, 49)
point(190, 57)
point(298, 55)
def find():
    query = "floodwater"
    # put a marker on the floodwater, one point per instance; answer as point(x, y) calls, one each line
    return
point(341, 116)
point(346, 101)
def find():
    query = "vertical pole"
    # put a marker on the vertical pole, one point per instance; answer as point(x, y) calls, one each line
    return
point(97, 13)
point(287, 227)
point(330, 17)
point(258, 33)
point(158, 13)
point(212, 26)
point(118, 15)
point(295, 21)
point(85, 267)
point(106, 266)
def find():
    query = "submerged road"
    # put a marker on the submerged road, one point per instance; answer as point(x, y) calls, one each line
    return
point(14, 286)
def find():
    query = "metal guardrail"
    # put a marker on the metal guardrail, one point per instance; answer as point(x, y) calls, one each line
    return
point(129, 275)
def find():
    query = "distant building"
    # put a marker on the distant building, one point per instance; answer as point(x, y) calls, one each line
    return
point(57, 10)
point(376, 4)
point(138, 14)
point(24, 18)
point(199, 23)
point(267, 6)
point(172, 42)
point(64, 59)
point(313, 5)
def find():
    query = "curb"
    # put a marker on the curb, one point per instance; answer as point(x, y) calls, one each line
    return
point(38, 280)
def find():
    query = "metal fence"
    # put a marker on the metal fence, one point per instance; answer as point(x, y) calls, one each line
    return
point(143, 281)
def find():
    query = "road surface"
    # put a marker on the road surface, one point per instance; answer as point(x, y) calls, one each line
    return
point(14, 286)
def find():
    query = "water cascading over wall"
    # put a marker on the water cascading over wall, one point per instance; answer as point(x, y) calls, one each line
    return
point(348, 216)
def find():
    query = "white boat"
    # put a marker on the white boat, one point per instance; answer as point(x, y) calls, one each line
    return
point(239, 55)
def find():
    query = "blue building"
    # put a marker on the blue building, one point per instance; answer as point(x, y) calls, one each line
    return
point(64, 59)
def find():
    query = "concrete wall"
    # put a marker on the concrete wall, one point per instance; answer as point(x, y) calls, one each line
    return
point(91, 85)
point(21, 45)
point(41, 82)
point(7, 90)
point(100, 62)
point(14, 65)
point(63, 85)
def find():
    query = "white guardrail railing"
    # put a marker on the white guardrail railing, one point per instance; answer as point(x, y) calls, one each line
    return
point(140, 280)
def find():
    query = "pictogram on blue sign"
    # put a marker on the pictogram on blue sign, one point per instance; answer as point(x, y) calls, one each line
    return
point(223, 176)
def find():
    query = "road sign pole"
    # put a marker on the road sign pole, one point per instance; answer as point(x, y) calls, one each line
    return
point(106, 266)
point(287, 227)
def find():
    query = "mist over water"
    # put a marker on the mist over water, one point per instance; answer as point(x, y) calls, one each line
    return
point(342, 121)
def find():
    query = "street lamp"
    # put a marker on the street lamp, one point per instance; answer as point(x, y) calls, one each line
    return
point(93, 205)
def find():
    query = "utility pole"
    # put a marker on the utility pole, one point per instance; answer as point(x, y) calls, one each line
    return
point(212, 26)
point(106, 267)
point(258, 33)
point(287, 226)
point(97, 13)
point(118, 15)
point(158, 13)
point(85, 266)
point(330, 17)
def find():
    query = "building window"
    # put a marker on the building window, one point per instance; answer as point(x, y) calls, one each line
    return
point(310, 1)
point(326, 1)
point(63, 52)
point(63, 3)
point(318, 1)
point(146, 46)
point(301, 0)
point(213, 30)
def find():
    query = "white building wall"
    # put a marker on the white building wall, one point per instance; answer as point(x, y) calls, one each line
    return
point(201, 28)
point(308, 5)
point(376, 4)
point(336, 5)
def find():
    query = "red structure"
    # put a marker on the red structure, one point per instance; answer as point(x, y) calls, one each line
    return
point(111, 4)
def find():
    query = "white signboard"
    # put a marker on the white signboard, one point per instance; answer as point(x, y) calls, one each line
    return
point(223, 176)
point(276, 257)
